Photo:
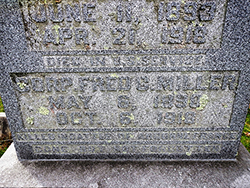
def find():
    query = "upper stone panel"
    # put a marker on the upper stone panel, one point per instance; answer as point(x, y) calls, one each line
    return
point(123, 25)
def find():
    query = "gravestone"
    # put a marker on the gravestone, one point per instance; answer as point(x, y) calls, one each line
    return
point(125, 80)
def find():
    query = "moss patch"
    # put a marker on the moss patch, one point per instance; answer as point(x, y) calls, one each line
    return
point(245, 138)
point(1, 106)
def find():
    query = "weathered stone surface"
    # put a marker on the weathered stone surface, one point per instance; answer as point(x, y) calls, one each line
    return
point(124, 174)
point(125, 80)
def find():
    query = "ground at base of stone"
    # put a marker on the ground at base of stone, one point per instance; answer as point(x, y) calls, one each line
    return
point(245, 138)
point(5, 135)
point(5, 142)
point(124, 174)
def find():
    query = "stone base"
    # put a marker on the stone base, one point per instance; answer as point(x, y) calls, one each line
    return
point(14, 173)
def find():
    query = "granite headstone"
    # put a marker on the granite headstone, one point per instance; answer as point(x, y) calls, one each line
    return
point(125, 80)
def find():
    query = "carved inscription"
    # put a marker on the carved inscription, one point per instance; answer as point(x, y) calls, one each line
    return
point(109, 136)
point(126, 100)
point(127, 25)
point(124, 61)
point(127, 112)
point(126, 149)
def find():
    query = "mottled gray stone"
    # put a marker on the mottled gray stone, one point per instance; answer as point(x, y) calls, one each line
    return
point(124, 174)
point(125, 80)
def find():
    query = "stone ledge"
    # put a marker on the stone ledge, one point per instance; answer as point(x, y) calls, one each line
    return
point(2, 114)
point(124, 174)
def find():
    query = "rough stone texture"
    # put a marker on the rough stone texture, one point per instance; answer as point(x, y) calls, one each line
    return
point(186, 73)
point(124, 174)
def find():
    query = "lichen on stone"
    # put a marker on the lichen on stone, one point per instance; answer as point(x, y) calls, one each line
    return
point(30, 120)
point(76, 120)
point(203, 102)
point(21, 85)
point(43, 111)
point(189, 153)
point(56, 27)
point(114, 75)
point(131, 117)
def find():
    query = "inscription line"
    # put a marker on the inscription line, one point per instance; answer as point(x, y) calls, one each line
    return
point(133, 142)
point(125, 69)
point(132, 129)
point(129, 52)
